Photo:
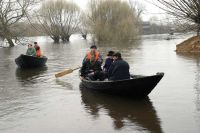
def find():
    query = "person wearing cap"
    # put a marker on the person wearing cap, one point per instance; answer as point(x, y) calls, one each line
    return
point(119, 70)
point(91, 66)
point(109, 61)
point(93, 51)
point(37, 48)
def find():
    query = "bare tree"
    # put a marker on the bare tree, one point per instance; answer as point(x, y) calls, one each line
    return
point(59, 19)
point(11, 12)
point(48, 17)
point(138, 9)
point(113, 20)
point(70, 19)
point(84, 25)
point(187, 10)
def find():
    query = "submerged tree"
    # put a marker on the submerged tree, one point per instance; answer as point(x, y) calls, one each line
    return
point(59, 19)
point(186, 10)
point(69, 18)
point(84, 25)
point(11, 12)
point(49, 19)
point(113, 20)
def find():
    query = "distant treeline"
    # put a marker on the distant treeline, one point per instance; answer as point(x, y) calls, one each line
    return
point(106, 20)
point(147, 28)
point(151, 28)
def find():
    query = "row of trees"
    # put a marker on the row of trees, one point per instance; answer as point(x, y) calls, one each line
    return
point(107, 20)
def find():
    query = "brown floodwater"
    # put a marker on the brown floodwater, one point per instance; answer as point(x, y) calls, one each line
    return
point(34, 101)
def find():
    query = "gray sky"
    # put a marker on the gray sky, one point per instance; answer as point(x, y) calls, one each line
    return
point(150, 9)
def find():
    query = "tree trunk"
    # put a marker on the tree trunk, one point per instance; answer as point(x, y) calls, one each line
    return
point(56, 39)
point(10, 42)
point(84, 36)
point(65, 38)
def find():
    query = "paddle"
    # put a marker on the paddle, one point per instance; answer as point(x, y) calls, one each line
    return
point(67, 71)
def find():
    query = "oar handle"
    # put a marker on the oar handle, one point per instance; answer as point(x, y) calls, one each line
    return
point(68, 71)
point(76, 68)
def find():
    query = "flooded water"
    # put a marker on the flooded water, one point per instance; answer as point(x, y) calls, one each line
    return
point(34, 101)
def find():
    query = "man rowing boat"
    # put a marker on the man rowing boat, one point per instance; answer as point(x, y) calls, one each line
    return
point(91, 67)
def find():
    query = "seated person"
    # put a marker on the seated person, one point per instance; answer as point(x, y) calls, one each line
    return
point(91, 69)
point(31, 51)
point(37, 48)
point(93, 49)
point(109, 61)
point(119, 70)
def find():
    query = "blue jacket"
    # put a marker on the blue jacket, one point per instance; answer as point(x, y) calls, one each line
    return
point(119, 70)
point(107, 65)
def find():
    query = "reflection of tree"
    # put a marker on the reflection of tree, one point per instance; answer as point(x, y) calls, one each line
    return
point(123, 112)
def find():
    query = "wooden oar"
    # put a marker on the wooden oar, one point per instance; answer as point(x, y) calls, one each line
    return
point(67, 71)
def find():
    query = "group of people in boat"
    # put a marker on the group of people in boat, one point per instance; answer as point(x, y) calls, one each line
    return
point(34, 50)
point(115, 68)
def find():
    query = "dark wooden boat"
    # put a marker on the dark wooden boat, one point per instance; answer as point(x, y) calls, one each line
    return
point(25, 61)
point(136, 87)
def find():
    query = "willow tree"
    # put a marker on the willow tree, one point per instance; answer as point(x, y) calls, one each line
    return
point(69, 19)
point(11, 12)
point(186, 10)
point(84, 25)
point(59, 19)
point(113, 20)
point(49, 18)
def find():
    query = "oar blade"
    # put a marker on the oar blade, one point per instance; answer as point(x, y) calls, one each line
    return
point(63, 73)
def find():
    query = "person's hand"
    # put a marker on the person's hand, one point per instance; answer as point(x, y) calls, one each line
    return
point(92, 73)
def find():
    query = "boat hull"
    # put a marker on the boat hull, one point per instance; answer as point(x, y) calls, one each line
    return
point(25, 61)
point(137, 87)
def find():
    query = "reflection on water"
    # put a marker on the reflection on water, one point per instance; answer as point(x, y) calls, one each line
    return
point(64, 84)
point(141, 115)
point(25, 74)
point(30, 76)
point(34, 101)
point(196, 58)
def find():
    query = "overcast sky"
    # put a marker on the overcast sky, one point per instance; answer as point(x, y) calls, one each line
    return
point(150, 9)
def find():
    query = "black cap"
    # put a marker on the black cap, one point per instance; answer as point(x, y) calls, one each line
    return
point(110, 53)
point(117, 55)
point(93, 46)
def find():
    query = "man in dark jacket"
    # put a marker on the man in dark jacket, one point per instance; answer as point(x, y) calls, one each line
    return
point(92, 70)
point(91, 67)
point(119, 70)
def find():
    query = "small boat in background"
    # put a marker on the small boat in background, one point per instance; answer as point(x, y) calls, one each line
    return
point(137, 87)
point(25, 61)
